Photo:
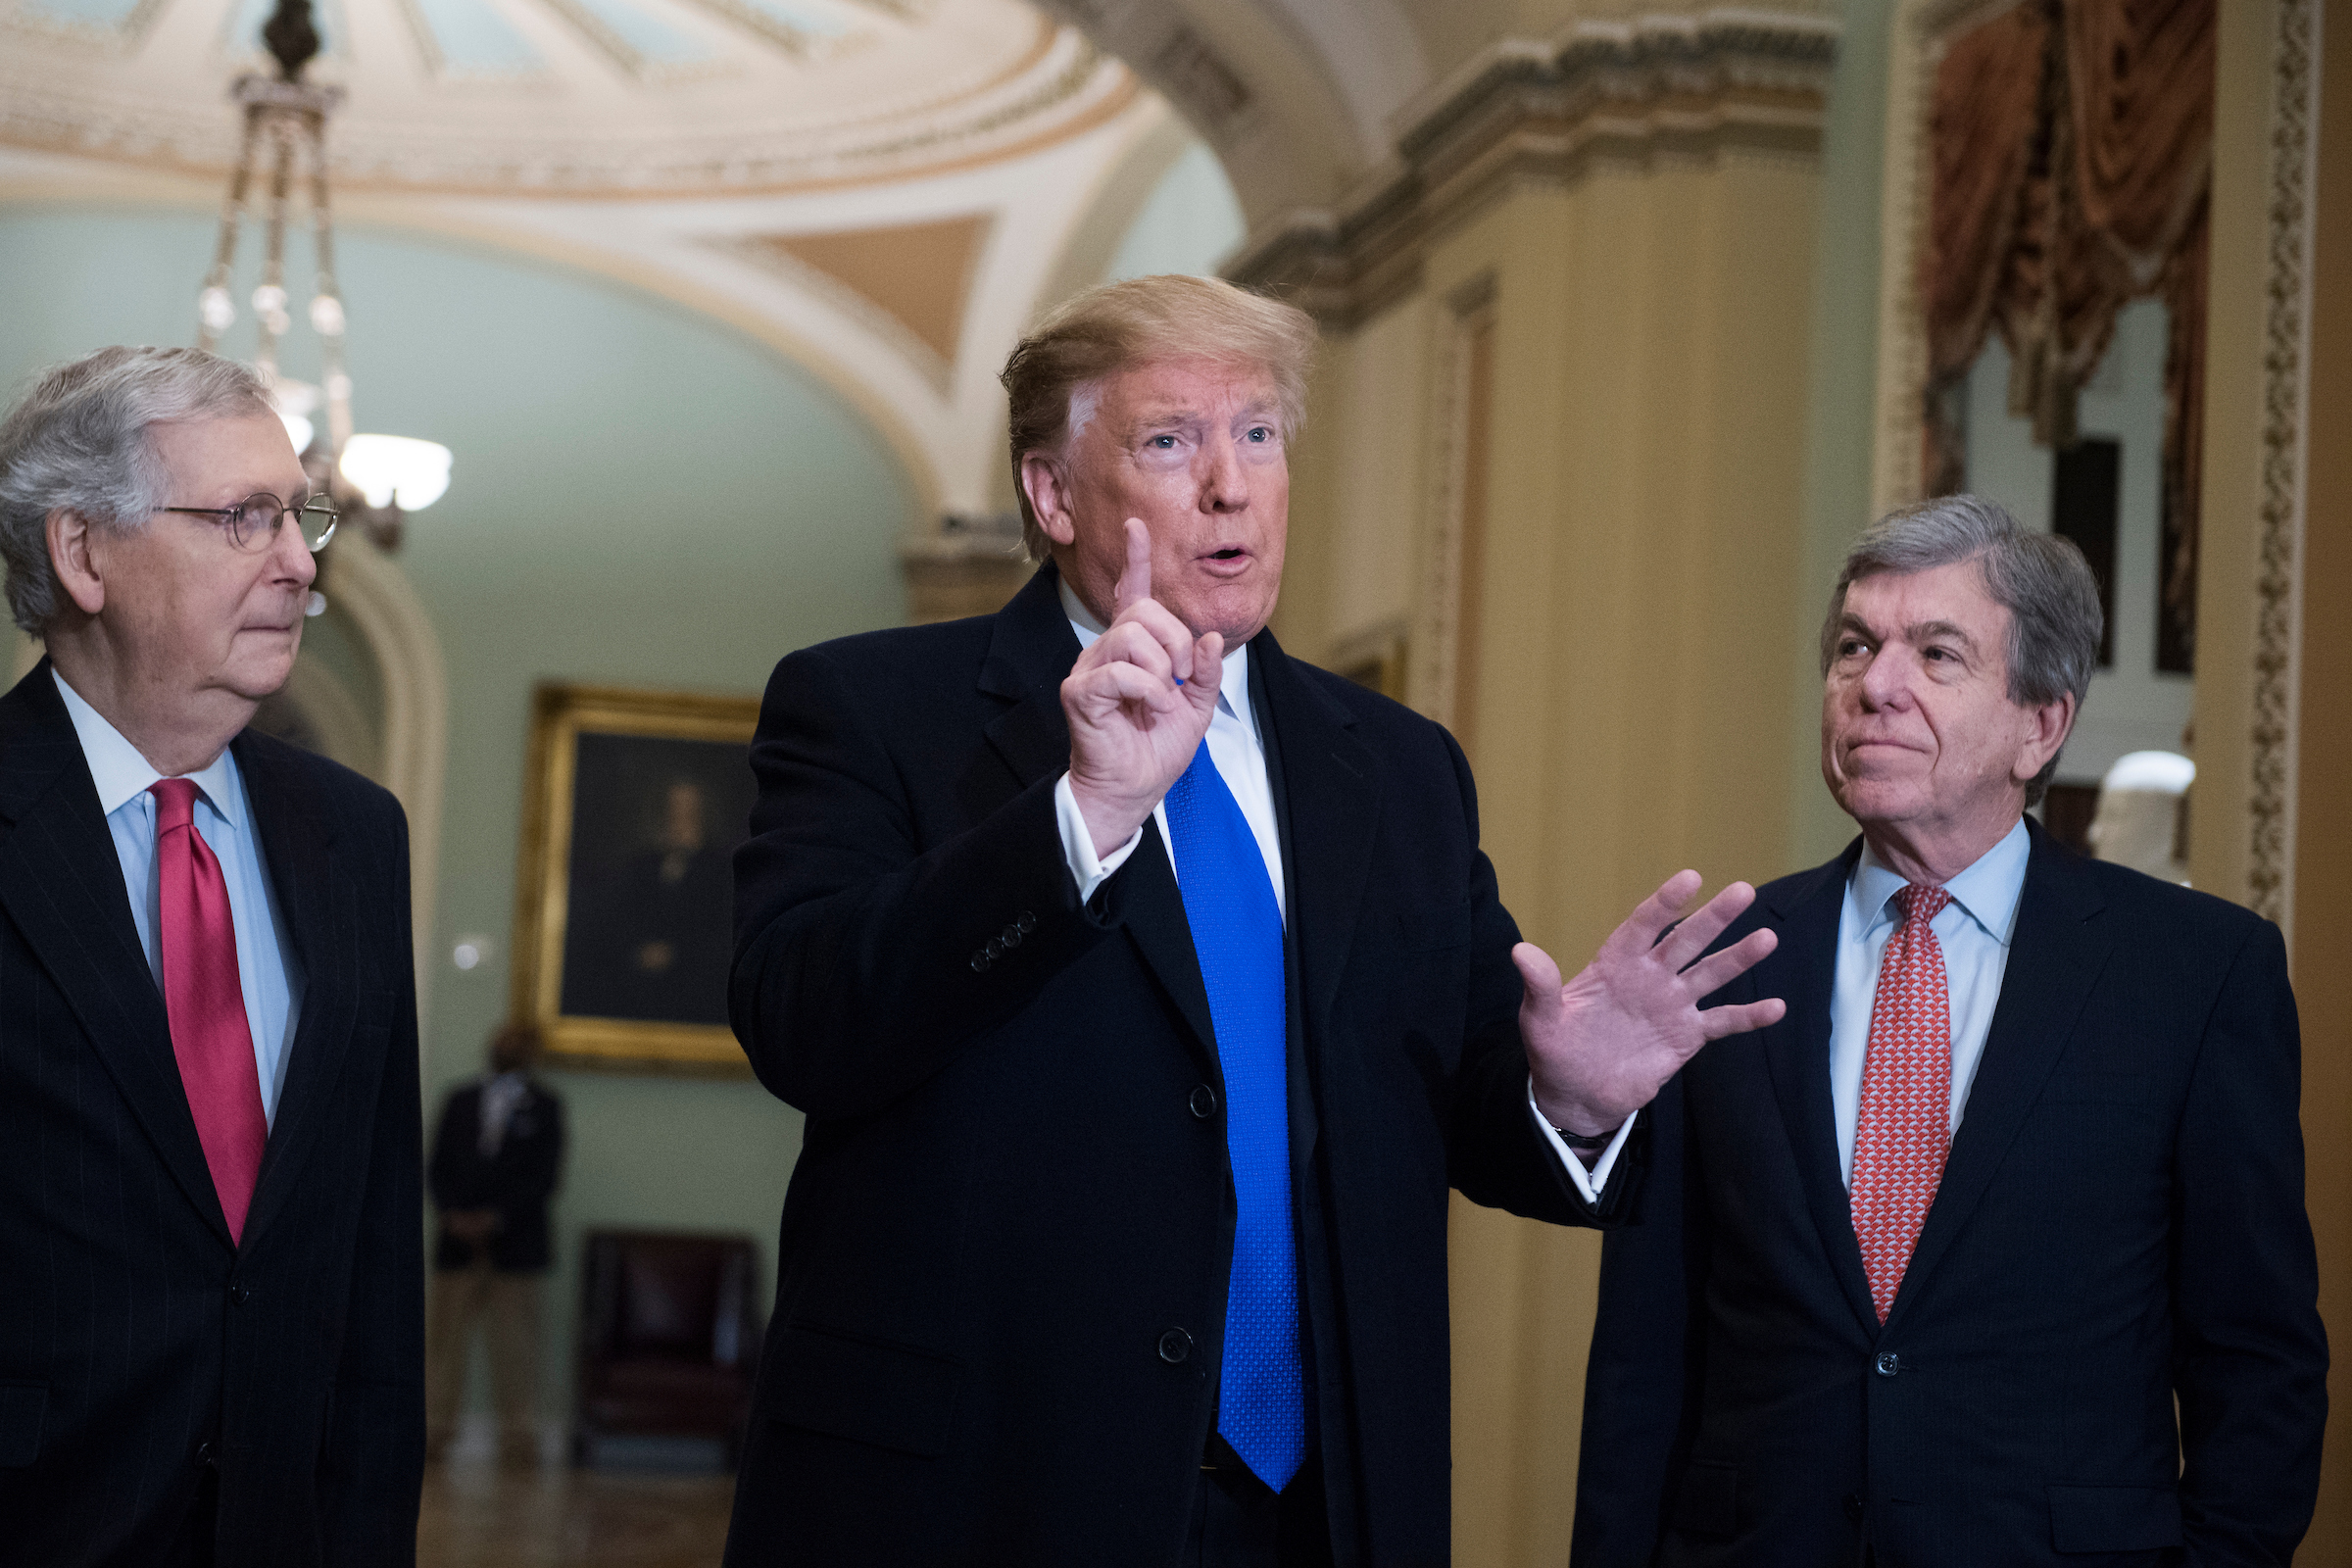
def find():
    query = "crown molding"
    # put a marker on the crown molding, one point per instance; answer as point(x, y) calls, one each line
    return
point(1543, 111)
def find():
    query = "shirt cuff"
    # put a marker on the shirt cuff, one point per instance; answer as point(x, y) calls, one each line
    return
point(1086, 869)
point(1589, 1183)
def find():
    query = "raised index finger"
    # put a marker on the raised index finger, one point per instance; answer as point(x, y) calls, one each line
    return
point(1135, 584)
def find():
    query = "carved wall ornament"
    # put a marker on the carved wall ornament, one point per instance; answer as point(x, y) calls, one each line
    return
point(1689, 86)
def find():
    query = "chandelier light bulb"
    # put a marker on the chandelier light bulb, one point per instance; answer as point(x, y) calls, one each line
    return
point(298, 429)
point(396, 467)
point(216, 309)
point(269, 298)
point(326, 316)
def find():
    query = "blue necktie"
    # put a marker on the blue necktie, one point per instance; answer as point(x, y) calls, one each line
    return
point(1236, 931)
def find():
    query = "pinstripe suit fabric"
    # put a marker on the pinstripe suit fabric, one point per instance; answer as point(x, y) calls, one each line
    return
point(138, 1345)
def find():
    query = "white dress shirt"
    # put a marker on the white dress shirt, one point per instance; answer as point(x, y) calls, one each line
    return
point(1237, 749)
point(1974, 931)
point(270, 981)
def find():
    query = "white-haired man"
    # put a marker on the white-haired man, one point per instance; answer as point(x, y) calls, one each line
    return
point(1994, 1250)
point(1145, 991)
point(210, 1343)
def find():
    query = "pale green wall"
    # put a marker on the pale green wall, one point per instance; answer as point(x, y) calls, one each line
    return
point(1843, 379)
point(1191, 222)
point(640, 497)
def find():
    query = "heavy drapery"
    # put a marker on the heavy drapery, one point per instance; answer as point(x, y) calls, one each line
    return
point(2073, 154)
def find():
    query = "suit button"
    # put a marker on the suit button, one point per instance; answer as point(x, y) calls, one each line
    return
point(206, 1453)
point(1888, 1364)
point(979, 963)
point(1025, 922)
point(1011, 937)
point(995, 949)
point(1205, 1102)
point(1175, 1345)
point(240, 1293)
point(1853, 1506)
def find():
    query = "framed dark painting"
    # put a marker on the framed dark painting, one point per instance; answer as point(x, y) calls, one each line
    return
point(624, 925)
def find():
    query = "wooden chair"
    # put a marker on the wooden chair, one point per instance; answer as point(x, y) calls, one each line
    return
point(669, 1336)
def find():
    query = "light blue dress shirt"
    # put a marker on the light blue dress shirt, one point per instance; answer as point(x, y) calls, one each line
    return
point(267, 972)
point(1239, 753)
point(1974, 931)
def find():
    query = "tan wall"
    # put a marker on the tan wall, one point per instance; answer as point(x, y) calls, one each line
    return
point(2323, 887)
point(1638, 580)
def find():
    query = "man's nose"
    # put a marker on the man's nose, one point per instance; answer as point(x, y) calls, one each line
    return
point(290, 558)
point(1887, 678)
point(1225, 481)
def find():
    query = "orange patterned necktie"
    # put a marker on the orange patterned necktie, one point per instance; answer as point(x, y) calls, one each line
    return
point(1905, 1126)
point(206, 1003)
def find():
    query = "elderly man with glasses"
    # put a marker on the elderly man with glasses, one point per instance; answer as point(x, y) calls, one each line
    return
point(212, 1344)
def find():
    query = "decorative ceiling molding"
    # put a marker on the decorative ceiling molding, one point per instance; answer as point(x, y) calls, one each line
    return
point(125, 31)
point(595, 97)
point(910, 284)
point(1691, 87)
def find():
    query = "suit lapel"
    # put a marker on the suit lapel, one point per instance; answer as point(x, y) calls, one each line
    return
point(2055, 955)
point(1797, 1054)
point(61, 883)
point(1029, 656)
point(320, 910)
point(1331, 796)
point(1306, 1120)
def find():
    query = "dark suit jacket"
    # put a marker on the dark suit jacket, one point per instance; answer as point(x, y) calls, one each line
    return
point(517, 1181)
point(137, 1344)
point(1004, 1256)
point(2120, 1223)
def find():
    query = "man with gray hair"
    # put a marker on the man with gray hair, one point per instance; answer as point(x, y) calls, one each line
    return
point(1992, 1250)
point(211, 1343)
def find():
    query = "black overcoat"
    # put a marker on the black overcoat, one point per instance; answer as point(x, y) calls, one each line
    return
point(1003, 1254)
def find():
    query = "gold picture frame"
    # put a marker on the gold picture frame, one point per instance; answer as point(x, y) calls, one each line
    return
point(622, 927)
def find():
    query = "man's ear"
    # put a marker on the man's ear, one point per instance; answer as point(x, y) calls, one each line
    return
point(2052, 722)
point(71, 560)
point(1046, 484)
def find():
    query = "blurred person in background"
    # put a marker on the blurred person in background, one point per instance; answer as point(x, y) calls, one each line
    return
point(497, 1155)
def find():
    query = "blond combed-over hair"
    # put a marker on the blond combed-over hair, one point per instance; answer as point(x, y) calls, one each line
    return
point(1055, 372)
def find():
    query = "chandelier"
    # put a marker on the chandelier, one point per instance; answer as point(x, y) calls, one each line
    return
point(376, 479)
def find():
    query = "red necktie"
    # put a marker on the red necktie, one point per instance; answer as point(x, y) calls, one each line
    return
point(1905, 1126)
point(205, 1002)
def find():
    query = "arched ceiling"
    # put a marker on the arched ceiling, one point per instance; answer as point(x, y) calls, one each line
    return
point(576, 97)
point(887, 190)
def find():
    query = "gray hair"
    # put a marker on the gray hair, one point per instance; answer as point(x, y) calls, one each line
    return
point(77, 441)
point(2040, 578)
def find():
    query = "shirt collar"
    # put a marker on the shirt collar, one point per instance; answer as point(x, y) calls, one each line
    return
point(1233, 689)
point(1988, 891)
point(122, 772)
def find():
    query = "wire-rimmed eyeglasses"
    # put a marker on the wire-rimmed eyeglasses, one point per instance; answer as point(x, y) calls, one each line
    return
point(252, 521)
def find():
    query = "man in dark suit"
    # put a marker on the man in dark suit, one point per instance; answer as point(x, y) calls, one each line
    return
point(1146, 990)
point(210, 1343)
point(496, 1158)
point(1994, 1250)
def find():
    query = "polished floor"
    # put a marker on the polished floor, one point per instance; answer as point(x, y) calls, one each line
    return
point(477, 1515)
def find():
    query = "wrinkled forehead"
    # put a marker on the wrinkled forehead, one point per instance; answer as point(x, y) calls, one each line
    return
point(1955, 595)
point(229, 459)
point(1182, 388)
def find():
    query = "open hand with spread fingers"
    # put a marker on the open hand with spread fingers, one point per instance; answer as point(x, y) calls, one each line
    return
point(1138, 703)
point(1601, 1046)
